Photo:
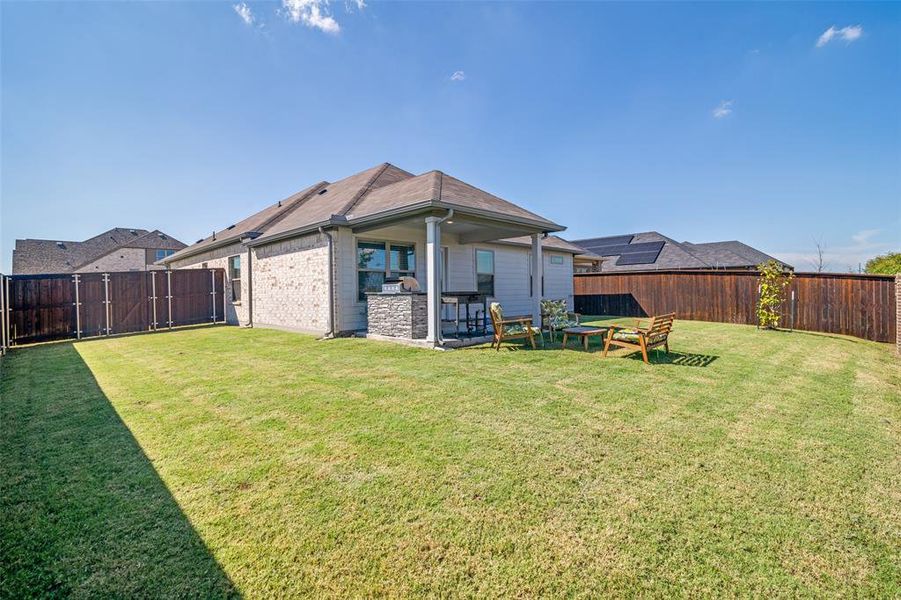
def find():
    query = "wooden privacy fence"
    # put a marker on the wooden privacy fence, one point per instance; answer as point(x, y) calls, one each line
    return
point(860, 305)
point(39, 308)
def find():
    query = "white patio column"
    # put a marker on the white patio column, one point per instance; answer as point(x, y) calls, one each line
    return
point(433, 278)
point(537, 276)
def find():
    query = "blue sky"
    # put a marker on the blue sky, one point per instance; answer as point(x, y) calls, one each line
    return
point(774, 124)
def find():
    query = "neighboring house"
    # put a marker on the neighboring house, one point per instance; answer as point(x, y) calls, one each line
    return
point(651, 251)
point(307, 262)
point(119, 249)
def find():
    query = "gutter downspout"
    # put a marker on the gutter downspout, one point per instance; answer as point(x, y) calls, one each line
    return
point(249, 288)
point(331, 284)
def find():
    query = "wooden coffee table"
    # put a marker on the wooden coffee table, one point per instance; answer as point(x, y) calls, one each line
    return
point(584, 333)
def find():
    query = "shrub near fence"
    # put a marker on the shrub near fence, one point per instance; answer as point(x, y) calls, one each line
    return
point(860, 305)
point(38, 308)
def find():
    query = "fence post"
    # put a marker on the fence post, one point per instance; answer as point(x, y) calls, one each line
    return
point(213, 293)
point(106, 300)
point(792, 306)
point(76, 278)
point(169, 294)
point(10, 333)
point(897, 312)
point(153, 298)
point(2, 315)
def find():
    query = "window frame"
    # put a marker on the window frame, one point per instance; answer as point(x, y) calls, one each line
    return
point(492, 273)
point(232, 279)
point(166, 252)
point(387, 270)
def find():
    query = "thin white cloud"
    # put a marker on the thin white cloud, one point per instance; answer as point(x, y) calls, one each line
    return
point(312, 13)
point(361, 4)
point(862, 238)
point(852, 33)
point(723, 109)
point(863, 246)
point(849, 34)
point(244, 12)
point(458, 76)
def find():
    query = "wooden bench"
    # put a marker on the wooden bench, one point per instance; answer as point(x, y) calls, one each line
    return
point(643, 338)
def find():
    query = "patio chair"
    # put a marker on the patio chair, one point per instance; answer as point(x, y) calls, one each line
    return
point(644, 338)
point(511, 328)
point(555, 317)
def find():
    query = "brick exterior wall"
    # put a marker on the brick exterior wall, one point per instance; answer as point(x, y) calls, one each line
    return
point(123, 259)
point(290, 284)
point(398, 315)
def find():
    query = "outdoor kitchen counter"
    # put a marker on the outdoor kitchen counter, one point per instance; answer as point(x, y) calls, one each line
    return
point(401, 315)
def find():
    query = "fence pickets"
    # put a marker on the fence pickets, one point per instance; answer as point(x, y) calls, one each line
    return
point(859, 305)
point(38, 308)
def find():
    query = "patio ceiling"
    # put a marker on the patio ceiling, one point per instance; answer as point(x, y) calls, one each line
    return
point(466, 228)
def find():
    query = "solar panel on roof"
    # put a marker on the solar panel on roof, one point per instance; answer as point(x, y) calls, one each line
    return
point(626, 248)
point(615, 240)
point(608, 250)
point(638, 258)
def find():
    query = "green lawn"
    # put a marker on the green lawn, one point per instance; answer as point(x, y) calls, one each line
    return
point(261, 463)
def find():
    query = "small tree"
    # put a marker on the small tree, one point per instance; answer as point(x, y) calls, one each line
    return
point(773, 281)
point(819, 263)
point(887, 264)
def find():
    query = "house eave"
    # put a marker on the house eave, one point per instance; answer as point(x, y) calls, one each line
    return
point(192, 251)
point(380, 217)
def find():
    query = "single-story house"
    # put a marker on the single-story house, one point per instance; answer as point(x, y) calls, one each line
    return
point(119, 249)
point(317, 261)
point(652, 251)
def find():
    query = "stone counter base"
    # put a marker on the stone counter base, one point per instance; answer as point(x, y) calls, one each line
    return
point(398, 315)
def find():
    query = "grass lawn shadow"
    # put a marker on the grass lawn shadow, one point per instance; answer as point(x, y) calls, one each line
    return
point(84, 511)
point(681, 359)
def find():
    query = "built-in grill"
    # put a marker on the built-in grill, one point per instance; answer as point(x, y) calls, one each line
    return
point(402, 285)
point(393, 286)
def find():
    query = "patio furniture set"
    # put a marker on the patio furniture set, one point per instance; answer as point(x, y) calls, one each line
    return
point(644, 335)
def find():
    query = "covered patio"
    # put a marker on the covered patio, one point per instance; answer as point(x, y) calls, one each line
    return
point(455, 255)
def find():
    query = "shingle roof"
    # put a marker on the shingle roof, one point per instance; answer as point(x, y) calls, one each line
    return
point(551, 242)
point(378, 191)
point(673, 254)
point(727, 254)
point(38, 256)
point(258, 222)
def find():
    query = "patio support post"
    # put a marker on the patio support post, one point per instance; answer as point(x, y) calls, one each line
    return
point(433, 283)
point(537, 278)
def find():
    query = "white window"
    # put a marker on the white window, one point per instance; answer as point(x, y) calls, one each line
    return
point(378, 261)
point(234, 273)
point(485, 272)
